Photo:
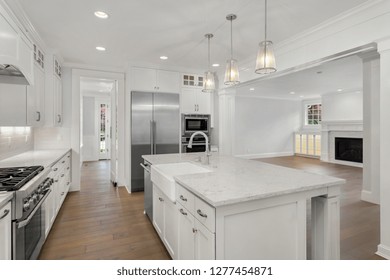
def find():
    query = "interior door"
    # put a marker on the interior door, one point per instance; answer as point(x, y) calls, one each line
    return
point(166, 123)
point(141, 133)
point(104, 117)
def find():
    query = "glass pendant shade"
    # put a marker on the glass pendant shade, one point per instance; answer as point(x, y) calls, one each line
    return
point(232, 76)
point(209, 82)
point(265, 62)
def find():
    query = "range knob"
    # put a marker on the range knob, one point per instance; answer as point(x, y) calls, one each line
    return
point(26, 205)
point(35, 198)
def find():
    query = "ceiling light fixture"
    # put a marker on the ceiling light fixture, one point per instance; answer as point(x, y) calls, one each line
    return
point(209, 81)
point(252, 89)
point(340, 90)
point(215, 65)
point(292, 92)
point(301, 96)
point(101, 14)
point(102, 49)
point(265, 62)
point(232, 76)
point(163, 57)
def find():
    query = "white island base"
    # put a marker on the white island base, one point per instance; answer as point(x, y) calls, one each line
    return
point(275, 228)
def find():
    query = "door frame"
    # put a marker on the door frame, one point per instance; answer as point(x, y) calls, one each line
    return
point(117, 156)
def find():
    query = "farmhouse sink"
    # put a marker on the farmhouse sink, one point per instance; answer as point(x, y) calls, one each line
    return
point(162, 175)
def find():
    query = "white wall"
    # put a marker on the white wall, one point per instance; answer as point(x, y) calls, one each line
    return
point(90, 144)
point(342, 106)
point(265, 127)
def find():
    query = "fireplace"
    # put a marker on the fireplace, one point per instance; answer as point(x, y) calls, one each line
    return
point(349, 149)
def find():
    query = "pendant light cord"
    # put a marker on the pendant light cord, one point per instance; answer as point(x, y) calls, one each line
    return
point(231, 38)
point(209, 54)
point(265, 32)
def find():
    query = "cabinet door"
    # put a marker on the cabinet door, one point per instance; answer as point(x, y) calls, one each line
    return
point(168, 81)
point(158, 212)
point(5, 232)
point(57, 101)
point(203, 99)
point(186, 248)
point(49, 206)
point(62, 187)
point(171, 227)
point(143, 79)
point(204, 242)
point(188, 101)
point(13, 103)
point(36, 98)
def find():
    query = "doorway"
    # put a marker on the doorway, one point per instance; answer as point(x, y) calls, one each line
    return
point(104, 128)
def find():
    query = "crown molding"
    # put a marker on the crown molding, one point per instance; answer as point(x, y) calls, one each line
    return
point(120, 70)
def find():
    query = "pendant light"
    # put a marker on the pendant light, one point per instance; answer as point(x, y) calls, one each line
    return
point(232, 76)
point(265, 62)
point(209, 82)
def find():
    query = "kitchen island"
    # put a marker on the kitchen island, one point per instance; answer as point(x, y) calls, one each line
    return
point(245, 209)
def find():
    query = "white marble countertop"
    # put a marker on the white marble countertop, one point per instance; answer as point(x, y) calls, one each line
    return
point(235, 180)
point(4, 198)
point(37, 157)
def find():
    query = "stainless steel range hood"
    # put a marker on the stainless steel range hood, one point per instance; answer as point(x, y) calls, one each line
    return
point(12, 75)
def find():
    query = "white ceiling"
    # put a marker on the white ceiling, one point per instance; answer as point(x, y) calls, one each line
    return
point(345, 74)
point(142, 31)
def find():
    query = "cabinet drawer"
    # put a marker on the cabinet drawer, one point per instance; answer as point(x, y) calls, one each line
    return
point(185, 198)
point(205, 214)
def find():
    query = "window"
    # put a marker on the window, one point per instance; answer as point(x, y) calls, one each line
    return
point(313, 114)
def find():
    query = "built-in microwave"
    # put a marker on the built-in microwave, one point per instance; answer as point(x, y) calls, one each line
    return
point(192, 123)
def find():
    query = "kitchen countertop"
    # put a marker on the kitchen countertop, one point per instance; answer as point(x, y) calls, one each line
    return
point(234, 180)
point(4, 198)
point(38, 157)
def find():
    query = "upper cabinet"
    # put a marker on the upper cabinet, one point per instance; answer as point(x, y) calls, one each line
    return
point(15, 50)
point(152, 80)
point(194, 101)
point(192, 81)
point(53, 100)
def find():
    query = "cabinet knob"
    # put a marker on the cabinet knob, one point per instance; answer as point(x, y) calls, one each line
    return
point(160, 199)
point(182, 212)
point(183, 198)
point(201, 213)
point(194, 230)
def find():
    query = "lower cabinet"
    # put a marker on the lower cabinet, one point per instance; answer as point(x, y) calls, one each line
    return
point(5, 232)
point(165, 221)
point(195, 241)
point(59, 189)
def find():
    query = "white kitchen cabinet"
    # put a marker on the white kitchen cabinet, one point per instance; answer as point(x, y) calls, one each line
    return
point(13, 104)
point(49, 206)
point(194, 101)
point(192, 80)
point(165, 221)
point(36, 98)
point(53, 96)
point(153, 80)
point(195, 241)
point(5, 232)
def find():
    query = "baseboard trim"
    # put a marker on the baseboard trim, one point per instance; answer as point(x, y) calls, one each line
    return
point(368, 197)
point(383, 251)
point(266, 155)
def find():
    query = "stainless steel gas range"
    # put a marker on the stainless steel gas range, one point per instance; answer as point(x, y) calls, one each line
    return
point(31, 186)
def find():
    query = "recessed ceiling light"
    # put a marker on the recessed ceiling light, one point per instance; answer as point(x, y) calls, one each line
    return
point(102, 49)
point(301, 96)
point(340, 90)
point(216, 65)
point(292, 92)
point(163, 57)
point(101, 14)
point(252, 89)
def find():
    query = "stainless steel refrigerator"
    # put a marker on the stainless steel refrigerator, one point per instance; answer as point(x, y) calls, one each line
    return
point(155, 129)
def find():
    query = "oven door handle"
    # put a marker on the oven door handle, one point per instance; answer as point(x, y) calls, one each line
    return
point(28, 219)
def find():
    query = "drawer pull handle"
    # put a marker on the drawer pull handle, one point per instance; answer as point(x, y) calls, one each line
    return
point(6, 212)
point(55, 181)
point(194, 230)
point(160, 199)
point(62, 193)
point(68, 168)
point(201, 213)
point(62, 175)
point(183, 198)
point(63, 161)
point(55, 169)
point(182, 212)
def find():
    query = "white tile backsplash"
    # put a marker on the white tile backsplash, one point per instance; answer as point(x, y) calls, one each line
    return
point(15, 140)
point(51, 138)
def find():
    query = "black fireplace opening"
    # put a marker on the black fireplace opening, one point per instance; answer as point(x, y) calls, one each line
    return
point(349, 149)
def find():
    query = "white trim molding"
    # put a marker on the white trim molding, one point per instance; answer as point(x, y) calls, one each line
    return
point(383, 251)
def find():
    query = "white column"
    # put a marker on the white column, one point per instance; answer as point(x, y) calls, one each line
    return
point(371, 103)
point(226, 122)
point(384, 246)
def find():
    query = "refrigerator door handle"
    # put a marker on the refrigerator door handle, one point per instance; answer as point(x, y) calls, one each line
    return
point(151, 138)
point(154, 138)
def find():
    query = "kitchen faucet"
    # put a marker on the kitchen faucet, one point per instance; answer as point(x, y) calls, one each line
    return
point(208, 154)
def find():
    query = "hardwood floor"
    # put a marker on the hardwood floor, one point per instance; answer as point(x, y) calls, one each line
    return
point(359, 220)
point(104, 222)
